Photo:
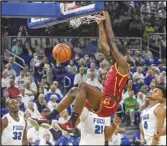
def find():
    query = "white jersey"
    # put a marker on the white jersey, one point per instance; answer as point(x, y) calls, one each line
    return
point(162, 140)
point(148, 120)
point(92, 128)
point(13, 133)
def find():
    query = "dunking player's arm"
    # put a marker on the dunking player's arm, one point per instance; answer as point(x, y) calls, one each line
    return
point(160, 113)
point(119, 58)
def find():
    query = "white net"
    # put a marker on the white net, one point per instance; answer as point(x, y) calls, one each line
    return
point(75, 23)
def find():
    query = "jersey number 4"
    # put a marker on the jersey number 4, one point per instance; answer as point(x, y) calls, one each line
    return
point(99, 129)
point(17, 135)
point(145, 125)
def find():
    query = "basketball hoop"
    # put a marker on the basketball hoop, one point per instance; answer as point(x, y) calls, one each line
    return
point(75, 23)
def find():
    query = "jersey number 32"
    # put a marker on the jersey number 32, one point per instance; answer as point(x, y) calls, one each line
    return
point(17, 135)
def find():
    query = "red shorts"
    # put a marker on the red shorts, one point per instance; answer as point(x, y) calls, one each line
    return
point(108, 107)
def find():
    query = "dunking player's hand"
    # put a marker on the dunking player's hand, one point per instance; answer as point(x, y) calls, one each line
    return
point(100, 19)
point(117, 121)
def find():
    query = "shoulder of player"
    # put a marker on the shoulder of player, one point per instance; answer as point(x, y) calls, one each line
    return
point(160, 110)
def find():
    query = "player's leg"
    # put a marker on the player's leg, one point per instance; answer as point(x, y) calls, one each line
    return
point(85, 92)
point(119, 58)
point(89, 93)
point(65, 103)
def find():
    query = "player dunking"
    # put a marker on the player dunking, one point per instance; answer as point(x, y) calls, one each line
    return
point(14, 126)
point(103, 104)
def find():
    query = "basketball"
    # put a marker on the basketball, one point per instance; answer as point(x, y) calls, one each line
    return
point(62, 52)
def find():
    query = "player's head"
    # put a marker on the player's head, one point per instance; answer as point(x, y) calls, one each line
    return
point(158, 93)
point(13, 106)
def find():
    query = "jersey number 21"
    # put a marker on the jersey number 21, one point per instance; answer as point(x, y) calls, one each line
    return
point(99, 129)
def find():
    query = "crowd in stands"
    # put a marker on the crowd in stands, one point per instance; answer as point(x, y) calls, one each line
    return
point(40, 85)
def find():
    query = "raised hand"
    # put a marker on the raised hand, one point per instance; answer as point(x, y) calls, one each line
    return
point(117, 121)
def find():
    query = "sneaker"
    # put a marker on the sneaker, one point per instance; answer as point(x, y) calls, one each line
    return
point(66, 127)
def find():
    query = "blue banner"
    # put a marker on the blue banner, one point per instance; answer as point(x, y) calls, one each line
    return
point(26, 9)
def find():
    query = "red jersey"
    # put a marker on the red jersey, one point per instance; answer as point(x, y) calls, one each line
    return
point(114, 83)
point(112, 92)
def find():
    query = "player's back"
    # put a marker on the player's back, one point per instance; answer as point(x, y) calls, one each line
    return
point(114, 83)
point(148, 120)
point(92, 129)
point(13, 133)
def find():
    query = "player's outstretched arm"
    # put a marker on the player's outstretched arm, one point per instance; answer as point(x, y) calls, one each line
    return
point(120, 59)
point(160, 113)
point(103, 40)
point(162, 131)
point(110, 130)
point(141, 134)
point(25, 141)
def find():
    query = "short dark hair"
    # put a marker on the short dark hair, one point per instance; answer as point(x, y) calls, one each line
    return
point(163, 89)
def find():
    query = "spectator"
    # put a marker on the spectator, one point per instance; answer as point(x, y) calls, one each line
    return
point(131, 106)
point(21, 104)
point(141, 99)
point(46, 140)
point(64, 116)
point(148, 78)
point(92, 69)
point(101, 70)
point(52, 104)
point(17, 49)
point(162, 67)
point(33, 110)
point(94, 82)
point(151, 86)
point(5, 81)
point(78, 49)
point(35, 63)
point(138, 74)
point(13, 91)
point(136, 26)
point(27, 49)
point(21, 79)
point(45, 70)
point(25, 97)
point(81, 63)
point(161, 81)
point(80, 77)
point(148, 29)
point(71, 68)
point(10, 73)
point(147, 54)
point(89, 47)
point(4, 99)
point(44, 86)
point(32, 84)
point(29, 91)
point(58, 91)
point(144, 90)
point(53, 92)
point(139, 61)
point(41, 103)
point(14, 66)
point(129, 85)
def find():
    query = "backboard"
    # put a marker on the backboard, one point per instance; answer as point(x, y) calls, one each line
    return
point(67, 11)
